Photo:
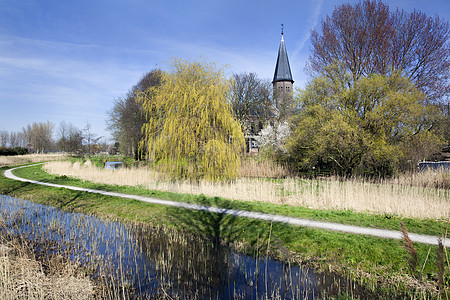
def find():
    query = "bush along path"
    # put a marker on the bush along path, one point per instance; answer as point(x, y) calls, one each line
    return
point(389, 234)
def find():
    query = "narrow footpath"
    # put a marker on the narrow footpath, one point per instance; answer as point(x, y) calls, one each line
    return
point(389, 234)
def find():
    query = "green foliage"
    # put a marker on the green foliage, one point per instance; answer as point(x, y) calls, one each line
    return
point(190, 132)
point(371, 127)
point(13, 151)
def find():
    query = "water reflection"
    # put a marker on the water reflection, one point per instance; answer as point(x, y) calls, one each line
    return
point(113, 165)
point(156, 261)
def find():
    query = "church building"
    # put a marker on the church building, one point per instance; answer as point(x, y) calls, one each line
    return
point(283, 96)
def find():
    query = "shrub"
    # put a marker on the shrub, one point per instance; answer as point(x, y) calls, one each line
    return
point(13, 151)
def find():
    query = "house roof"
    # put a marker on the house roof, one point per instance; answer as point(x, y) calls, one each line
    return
point(282, 68)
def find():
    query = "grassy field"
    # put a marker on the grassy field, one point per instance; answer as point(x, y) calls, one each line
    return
point(378, 263)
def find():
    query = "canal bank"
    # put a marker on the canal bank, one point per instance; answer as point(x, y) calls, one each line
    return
point(156, 260)
point(375, 262)
point(388, 234)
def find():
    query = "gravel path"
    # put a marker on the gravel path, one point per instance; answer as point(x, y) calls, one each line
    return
point(426, 239)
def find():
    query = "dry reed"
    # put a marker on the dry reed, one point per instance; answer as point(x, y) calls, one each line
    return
point(23, 277)
point(440, 265)
point(264, 168)
point(427, 179)
point(30, 158)
point(410, 249)
point(356, 195)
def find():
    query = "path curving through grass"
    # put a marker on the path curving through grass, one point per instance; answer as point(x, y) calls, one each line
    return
point(390, 234)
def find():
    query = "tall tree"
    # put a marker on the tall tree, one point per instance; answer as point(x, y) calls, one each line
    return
point(446, 123)
point(373, 127)
point(70, 138)
point(4, 138)
point(190, 132)
point(126, 118)
point(38, 136)
point(90, 139)
point(251, 100)
point(367, 38)
point(15, 140)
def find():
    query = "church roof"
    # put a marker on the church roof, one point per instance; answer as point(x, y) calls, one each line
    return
point(282, 69)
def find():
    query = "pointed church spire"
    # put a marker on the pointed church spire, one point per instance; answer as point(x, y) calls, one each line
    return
point(282, 68)
point(283, 83)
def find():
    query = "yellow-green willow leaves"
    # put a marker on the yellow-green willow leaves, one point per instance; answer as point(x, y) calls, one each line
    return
point(190, 133)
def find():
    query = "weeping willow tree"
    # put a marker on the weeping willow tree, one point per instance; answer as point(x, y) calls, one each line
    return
point(190, 132)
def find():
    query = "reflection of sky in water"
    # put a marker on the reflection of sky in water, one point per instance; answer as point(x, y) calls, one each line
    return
point(113, 165)
point(126, 252)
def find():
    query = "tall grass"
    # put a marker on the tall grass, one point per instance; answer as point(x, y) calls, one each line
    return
point(413, 257)
point(30, 158)
point(428, 179)
point(385, 197)
point(263, 168)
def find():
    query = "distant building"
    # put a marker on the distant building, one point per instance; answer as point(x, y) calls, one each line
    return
point(440, 166)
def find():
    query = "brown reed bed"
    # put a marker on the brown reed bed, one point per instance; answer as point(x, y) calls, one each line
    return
point(428, 179)
point(30, 158)
point(263, 168)
point(24, 276)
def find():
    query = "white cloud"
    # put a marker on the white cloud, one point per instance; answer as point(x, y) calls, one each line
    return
point(311, 24)
point(250, 60)
point(42, 80)
point(8, 63)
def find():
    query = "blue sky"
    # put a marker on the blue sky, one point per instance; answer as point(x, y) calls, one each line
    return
point(68, 60)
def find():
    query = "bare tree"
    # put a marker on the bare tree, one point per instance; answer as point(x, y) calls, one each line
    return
point(4, 138)
point(90, 138)
point(61, 142)
point(251, 100)
point(126, 118)
point(38, 136)
point(70, 138)
point(367, 38)
point(14, 140)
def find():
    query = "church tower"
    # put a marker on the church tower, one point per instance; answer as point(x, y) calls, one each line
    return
point(283, 82)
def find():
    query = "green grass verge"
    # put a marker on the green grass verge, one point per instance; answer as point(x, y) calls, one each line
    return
point(376, 258)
